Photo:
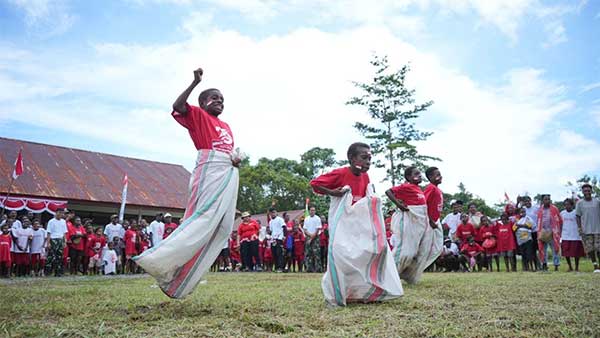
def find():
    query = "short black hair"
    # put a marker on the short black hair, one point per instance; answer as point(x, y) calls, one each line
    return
point(459, 202)
point(569, 200)
point(271, 209)
point(205, 94)
point(587, 185)
point(353, 149)
point(430, 172)
point(408, 171)
point(472, 204)
point(544, 195)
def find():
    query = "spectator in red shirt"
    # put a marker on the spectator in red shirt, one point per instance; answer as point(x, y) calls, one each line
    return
point(234, 251)
point(131, 243)
point(90, 238)
point(97, 248)
point(472, 252)
point(248, 235)
point(170, 226)
point(76, 242)
point(5, 245)
point(324, 241)
point(505, 241)
point(464, 229)
point(299, 242)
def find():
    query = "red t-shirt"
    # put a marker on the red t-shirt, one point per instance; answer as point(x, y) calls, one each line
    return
point(299, 240)
point(207, 131)
point(341, 177)
point(171, 226)
point(130, 242)
point(77, 243)
point(388, 236)
point(505, 239)
point(5, 245)
point(234, 249)
point(435, 202)
point(464, 231)
point(90, 239)
point(324, 235)
point(410, 193)
point(248, 231)
point(471, 249)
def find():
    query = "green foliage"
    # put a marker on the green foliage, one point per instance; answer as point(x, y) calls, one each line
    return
point(393, 110)
point(592, 180)
point(467, 197)
point(283, 183)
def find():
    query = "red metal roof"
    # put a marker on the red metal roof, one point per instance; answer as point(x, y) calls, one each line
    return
point(73, 174)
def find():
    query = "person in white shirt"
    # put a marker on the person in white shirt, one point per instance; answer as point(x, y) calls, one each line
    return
point(110, 259)
point(16, 224)
point(38, 243)
point(21, 248)
point(532, 212)
point(312, 225)
point(55, 244)
point(452, 220)
point(277, 225)
point(571, 244)
point(156, 230)
point(114, 229)
point(448, 259)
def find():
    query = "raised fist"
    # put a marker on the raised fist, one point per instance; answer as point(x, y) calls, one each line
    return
point(198, 75)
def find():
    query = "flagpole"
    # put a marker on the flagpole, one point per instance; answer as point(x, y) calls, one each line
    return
point(12, 180)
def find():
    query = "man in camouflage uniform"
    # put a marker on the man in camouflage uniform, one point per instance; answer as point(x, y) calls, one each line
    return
point(312, 226)
point(55, 244)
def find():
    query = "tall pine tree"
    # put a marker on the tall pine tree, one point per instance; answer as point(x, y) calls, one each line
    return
point(393, 109)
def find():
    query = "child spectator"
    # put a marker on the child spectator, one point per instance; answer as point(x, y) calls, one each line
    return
point(170, 226)
point(488, 233)
point(571, 245)
point(472, 252)
point(234, 251)
point(523, 229)
point(464, 229)
point(21, 248)
point(110, 259)
point(144, 242)
point(131, 240)
point(119, 249)
point(38, 242)
point(5, 246)
point(98, 248)
point(268, 251)
point(389, 234)
point(324, 241)
point(505, 241)
point(289, 247)
point(76, 242)
point(90, 238)
point(448, 259)
point(299, 242)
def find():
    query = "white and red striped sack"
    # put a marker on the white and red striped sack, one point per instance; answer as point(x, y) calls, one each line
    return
point(360, 265)
point(180, 261)
point(418, 244)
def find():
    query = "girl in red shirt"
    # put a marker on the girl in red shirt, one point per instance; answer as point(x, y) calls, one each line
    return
point(464, 229)
point(234, 251)
point(299, 241)
point(90, 238)
point(131, 241)
point(505, 241)
point(488, 233)
point(5, 245)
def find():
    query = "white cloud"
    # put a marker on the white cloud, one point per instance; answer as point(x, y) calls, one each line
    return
point(46, 17)
point(590, 86)
point(286, 93)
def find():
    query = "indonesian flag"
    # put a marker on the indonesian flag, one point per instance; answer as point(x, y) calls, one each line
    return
point(18, 166)
point(123, 198)
point(506, 198)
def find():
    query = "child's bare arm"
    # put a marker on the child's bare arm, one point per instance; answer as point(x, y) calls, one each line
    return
point(400, 204)
point(180, 104)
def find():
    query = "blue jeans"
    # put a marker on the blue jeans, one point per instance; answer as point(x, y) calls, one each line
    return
point(555, 254)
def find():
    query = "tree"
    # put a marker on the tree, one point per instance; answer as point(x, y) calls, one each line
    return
point(393, 110)
point(317, 160)
point(575, 188)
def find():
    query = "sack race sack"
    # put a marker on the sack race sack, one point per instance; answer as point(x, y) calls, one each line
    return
point(419, 245)
point(360, 265)
point(179, 261)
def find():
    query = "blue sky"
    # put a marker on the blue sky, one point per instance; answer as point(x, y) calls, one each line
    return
point(516, 84)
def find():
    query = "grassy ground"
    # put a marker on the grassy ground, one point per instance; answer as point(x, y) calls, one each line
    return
point(262, 304)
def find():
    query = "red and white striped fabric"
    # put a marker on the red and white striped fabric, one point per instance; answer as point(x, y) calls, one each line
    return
point(31, 204)
point(180, 261)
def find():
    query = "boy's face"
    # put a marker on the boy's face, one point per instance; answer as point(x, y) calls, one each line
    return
point(5, 229)
point(25, 225)
point(587, 193)
point(36, 225)
point(456, 208)
point(214, 103)
point(464, 218)
point(504, 218)
point(415, 177)
point(484, 221)
point(89, 229)
point(472, 209)
point(116, 240)
point(77, 221)
point(273, 214)
point(546, 201)
point(12, 214)
point(436, 177)
point(568, 206)
point(312, 211)
point(522, 212)
point(362, 159)
point(111, 245)
point(527, 201)
point(99, 232)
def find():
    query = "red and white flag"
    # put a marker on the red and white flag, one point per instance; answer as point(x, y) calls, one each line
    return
point(18, 165)
point(506, 198)
point(123, 198)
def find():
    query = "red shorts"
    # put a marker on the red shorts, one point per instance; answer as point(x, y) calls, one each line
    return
point(21, 258)
point(35, 259)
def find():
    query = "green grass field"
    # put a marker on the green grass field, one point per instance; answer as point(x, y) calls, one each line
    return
point(270, 305)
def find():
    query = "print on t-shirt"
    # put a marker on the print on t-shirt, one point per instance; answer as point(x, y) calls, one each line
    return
point(225, 141)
